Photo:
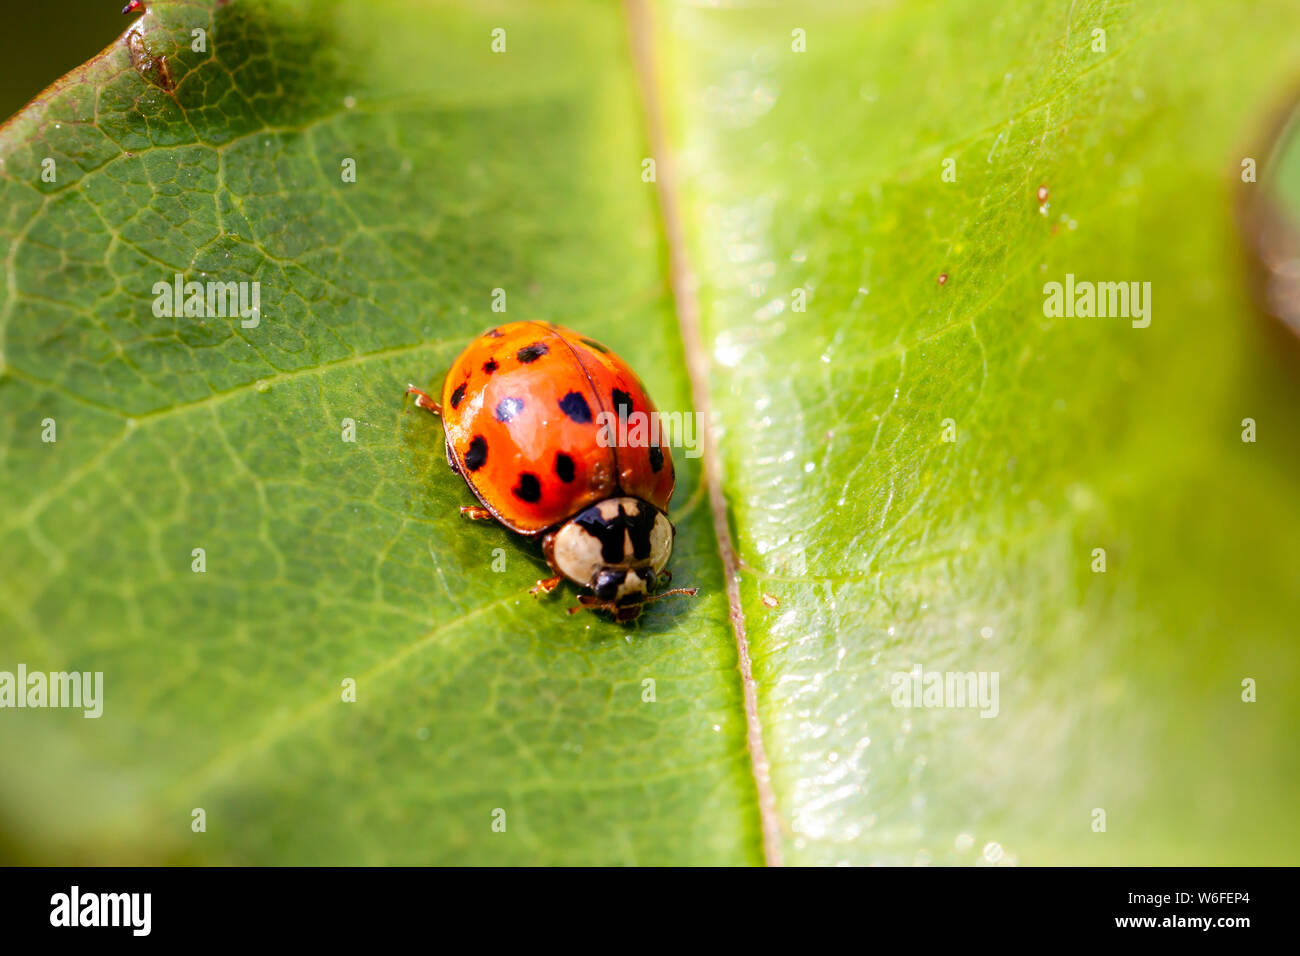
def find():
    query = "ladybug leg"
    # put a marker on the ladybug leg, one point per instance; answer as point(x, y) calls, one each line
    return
point(588, 602)
point(474, 513)
point(422, 400)
point(665, 576)
point(545, 585)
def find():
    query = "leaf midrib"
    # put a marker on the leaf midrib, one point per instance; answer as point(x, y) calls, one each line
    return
point(686, 307)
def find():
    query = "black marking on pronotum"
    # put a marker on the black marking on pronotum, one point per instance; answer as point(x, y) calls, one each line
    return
point(492, 333)
point(576, 407)
point(531, 353)
point(639, 526)
point(595, 345)
point(490, 366)
point(608, 532)
point(529, 488)
point(563, 467)
point(476, 453)
point(508, 408)
point(458, 396)
point(622, 403)
point(611, 532)
point(656, 458)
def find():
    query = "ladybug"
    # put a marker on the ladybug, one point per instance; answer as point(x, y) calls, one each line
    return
point(527, 410)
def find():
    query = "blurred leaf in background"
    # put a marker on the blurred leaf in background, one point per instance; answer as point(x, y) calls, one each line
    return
point(921, 467)
point(42, 41)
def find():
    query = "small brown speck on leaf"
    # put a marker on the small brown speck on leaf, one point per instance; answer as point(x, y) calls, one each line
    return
point(1043, 193)
point(943, 278)
point(771, 600)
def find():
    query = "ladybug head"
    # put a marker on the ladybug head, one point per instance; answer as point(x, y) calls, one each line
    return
point(619, 548)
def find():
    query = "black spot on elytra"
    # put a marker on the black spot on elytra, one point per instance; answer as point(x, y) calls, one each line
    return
point(476, 453)
point(508, 408)
point(458, 396)
point(531, 353)
point(492, 334)
point(595, 345)
point(563, 467)
point(529, 488)
point(656, 458)
point(576, 407)
point(490, 366)
point(622, 403)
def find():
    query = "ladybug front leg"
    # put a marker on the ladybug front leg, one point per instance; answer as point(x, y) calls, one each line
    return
point(546, 585)
point(591, 603)
point(422, 400)
point(475, 513)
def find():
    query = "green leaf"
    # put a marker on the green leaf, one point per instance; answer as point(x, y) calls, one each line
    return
point(890, 548)
point(328, 560)
point(866, 544)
